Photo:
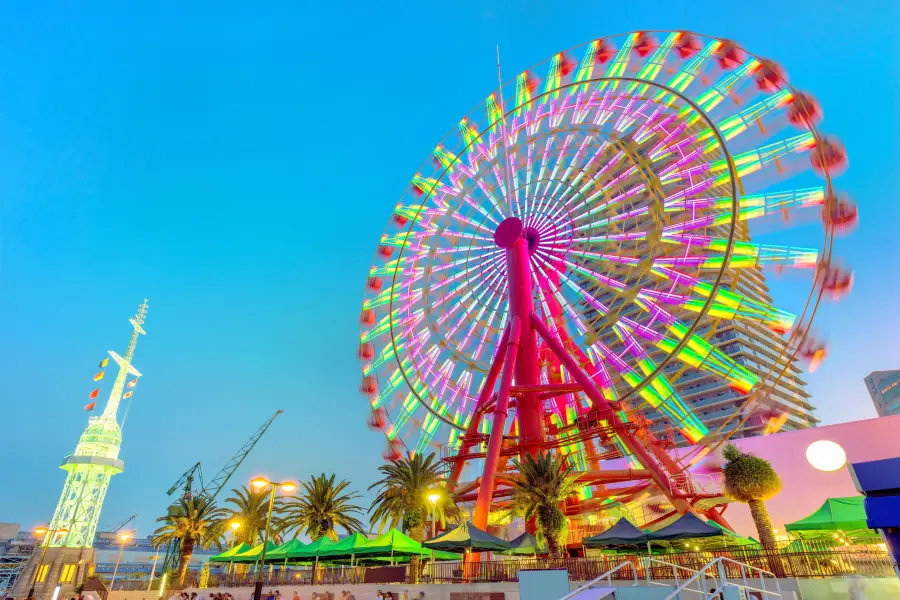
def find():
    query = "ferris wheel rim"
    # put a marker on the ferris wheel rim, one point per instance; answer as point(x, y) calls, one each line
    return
point(789, 349)
point(646, 380)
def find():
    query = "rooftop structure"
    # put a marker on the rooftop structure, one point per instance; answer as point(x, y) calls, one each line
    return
point(884, 388)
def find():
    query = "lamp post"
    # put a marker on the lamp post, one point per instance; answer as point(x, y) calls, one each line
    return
point(433, 497)
point(123, 537)
point(153, 570)
point(234, 525)
point(260, 483)
point(48, 535)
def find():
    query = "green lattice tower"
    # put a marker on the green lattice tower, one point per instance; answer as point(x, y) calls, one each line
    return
point(95, 460)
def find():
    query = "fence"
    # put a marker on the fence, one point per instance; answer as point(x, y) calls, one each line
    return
point(866, 561)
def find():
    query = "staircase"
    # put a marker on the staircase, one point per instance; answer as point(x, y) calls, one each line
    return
point(720, 579)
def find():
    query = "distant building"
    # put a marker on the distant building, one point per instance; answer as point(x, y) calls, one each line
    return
point(884, 388)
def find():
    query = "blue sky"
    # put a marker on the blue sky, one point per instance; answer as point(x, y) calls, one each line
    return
point(236, 165)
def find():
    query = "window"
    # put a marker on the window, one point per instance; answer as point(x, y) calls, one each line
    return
point(68, 573)
point(42, 573)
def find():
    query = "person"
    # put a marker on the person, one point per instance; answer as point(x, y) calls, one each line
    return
point(277, 595)
point(296, 596)
point(379, 595)
point(856, 588)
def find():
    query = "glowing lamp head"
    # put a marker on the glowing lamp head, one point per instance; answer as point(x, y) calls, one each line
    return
point(433, 497)
point(826, 455)
point(259, 482)
point(288, 487)
point(124, 536)
point(40, 530)
point(235, 525)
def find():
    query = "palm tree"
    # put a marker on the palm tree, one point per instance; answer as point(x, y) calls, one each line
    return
point(321, 508)
point(752, 480)
point(542, 483)
point(251, 509)
point(402, 494)
point(195, 521)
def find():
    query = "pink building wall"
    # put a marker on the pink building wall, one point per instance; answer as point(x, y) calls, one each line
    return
point(804, 487)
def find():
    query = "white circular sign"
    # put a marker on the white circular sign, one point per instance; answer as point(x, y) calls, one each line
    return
point(826, 455)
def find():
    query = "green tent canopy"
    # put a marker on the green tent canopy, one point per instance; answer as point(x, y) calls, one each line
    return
point(394, 542)
point(352, 545)
point(846, 515)
point(253, 554)
point(230, 553)
point(315, 548)
point(525, 545)
point(285, 551)
point(466, 536)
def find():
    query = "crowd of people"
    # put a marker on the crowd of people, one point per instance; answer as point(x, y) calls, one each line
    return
point(276, 595)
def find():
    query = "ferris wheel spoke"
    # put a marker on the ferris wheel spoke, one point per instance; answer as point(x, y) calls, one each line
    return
point(753, 206)
point(698, 352)
point(744, 254)
point(488, 288)
point(734, 125)
point(726, 304)
point(495, 296)
point(662, 395)
point(461, 296)
point(714, 95)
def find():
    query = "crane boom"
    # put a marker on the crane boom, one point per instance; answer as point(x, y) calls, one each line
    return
point(212, 489)
point(186, 480)
point(120, 525)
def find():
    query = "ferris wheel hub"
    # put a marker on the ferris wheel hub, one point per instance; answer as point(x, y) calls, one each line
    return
point(508, 231)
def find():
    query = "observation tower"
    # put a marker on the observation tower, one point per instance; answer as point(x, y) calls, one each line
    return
point(67, 548)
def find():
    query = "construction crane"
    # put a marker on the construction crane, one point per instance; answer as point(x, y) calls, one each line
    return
point(212, 489)
point(186, 481)
point(120, 525)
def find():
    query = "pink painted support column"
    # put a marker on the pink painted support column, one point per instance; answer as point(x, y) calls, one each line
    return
point(660, 478)
point(486, 390)
point(498, 425)
point(510, 235)
point(521, 357)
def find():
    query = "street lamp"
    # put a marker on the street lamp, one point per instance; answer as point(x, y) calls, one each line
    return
point(123, 537)
point(260, 483)
point(433, 497)
point(48, 535)
point(153, 570)
point(235, 525)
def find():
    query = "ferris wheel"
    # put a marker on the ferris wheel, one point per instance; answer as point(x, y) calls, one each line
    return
point(568, 253)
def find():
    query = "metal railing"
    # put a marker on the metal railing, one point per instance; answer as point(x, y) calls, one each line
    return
point(607, 576)
point(719, 580)
point(852, 561)
point(659, 569)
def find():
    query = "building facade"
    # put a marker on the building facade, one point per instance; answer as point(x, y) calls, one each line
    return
point(884, 388)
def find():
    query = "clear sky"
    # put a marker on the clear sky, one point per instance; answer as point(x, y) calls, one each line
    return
point(237, 166)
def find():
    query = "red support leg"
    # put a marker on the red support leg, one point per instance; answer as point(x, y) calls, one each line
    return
point(486, 390)
point(498, 427)
point(659, 475)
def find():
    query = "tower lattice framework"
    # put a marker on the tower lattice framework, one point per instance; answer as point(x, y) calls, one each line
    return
point(95, 460)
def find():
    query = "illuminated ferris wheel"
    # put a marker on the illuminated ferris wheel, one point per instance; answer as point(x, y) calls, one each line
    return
point(568, 252)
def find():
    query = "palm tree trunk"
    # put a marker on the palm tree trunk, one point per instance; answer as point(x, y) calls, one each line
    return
point(552, 545)
point(763, 524)
point(184, 557)
point(766, 536)
point(418, 534)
